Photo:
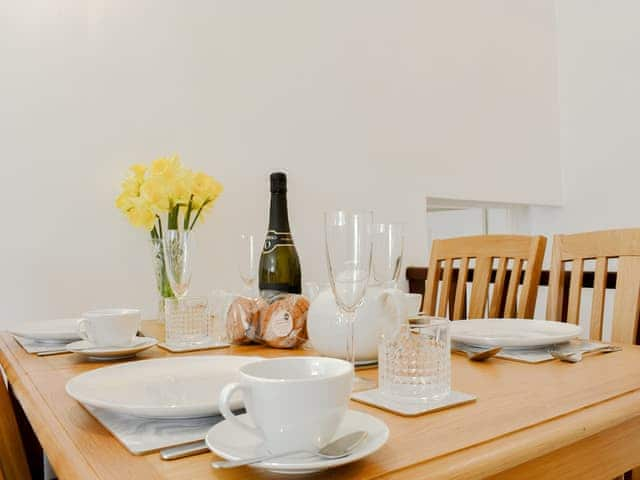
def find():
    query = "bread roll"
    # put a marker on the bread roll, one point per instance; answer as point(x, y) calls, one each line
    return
point(283, 324)
point(242, 320)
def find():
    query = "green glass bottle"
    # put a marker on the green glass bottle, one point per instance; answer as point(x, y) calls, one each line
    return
point(279, 262)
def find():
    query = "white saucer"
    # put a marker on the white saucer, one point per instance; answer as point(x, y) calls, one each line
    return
point(86, 348)
point(231, 443)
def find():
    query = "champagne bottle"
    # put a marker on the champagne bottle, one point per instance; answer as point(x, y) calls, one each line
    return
point(279, 262)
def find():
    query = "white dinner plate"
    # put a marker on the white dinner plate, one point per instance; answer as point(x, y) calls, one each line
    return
point(232, 443)
point(512, 332)
point(60, 330)
point(87, 349)
point(179, 387)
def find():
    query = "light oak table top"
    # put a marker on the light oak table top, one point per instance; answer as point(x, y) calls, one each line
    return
point(551, 420)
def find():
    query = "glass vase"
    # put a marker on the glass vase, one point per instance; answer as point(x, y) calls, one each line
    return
point(162, 280)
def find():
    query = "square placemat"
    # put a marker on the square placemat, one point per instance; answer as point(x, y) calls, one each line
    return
point(193, 348)
point(144, 435)
point(411, 408)
point(34, 346)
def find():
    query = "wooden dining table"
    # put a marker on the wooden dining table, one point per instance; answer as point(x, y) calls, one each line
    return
point(548, 420)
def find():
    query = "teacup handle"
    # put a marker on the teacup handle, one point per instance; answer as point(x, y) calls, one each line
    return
point(225, 410)
point(82, 328)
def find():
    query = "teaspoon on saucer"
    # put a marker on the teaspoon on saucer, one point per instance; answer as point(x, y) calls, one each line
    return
point(339, 448)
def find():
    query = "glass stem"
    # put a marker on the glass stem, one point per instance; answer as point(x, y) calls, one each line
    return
point(350, 319)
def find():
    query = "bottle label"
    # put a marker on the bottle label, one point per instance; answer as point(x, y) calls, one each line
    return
point(277, 239)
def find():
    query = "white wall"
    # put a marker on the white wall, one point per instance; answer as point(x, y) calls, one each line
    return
point(599, 94)
point(364, 103)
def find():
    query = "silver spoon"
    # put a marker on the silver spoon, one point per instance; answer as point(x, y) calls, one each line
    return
point(477, 354)
point(339, 448)
point(576, 356)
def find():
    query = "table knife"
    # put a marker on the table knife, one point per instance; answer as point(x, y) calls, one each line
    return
point(186, 450)
point(52, 352)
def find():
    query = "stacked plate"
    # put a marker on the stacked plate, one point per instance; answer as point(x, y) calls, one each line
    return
point(512, 333)
point(179, 387)
point(61, 331)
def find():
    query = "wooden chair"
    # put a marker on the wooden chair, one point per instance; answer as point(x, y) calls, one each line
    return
point(624, 245)
point(513, 254)
point(13, 461)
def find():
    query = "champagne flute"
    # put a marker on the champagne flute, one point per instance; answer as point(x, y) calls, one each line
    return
point(248, 255)
point(178, 251)
point(348, 250)
point(388, 249)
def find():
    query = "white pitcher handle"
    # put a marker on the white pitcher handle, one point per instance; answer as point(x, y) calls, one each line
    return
point(82, 329)
point(225, 410)
point(394, 304)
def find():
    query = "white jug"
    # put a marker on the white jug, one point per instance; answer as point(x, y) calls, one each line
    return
point(382, 309)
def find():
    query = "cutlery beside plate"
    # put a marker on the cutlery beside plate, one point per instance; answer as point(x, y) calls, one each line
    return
point(476, 354)
point(575, 355)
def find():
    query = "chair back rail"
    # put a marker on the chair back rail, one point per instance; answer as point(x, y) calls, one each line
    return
point(416, 277)
point(13, 460)
point(564, 298)
point(524, 253)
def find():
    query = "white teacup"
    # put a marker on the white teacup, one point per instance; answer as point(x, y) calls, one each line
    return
point(110, 327)
point(296, 403)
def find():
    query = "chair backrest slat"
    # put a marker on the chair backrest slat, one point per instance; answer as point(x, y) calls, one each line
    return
point(597, 305)
point(484, 250)
point(445, 288)
point(496, 307)
point(575, 291)
point(460, 302)
point(480, 287)
point(625, 307)
point(512, 290)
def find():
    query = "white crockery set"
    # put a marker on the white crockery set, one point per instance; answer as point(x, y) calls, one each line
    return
point(291, 402)
point(105, 334)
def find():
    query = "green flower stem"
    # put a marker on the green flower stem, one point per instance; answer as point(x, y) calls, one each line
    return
point(198, 214)
point(159, 232)
point(165, 289)
point(173, 217)
point(187, 215)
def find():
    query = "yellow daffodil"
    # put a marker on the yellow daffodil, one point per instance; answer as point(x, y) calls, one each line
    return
point(154, 192)
point(138, 170)
point(131, 186)
point(215, 190)
point(123, 202)
point(166, 167)
point(166, 186)
point(140, 214)
point(205, 190)
point(180, 187)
